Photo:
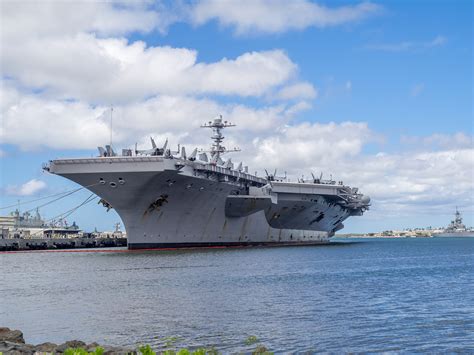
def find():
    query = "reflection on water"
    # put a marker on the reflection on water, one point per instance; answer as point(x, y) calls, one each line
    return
point(371, 295)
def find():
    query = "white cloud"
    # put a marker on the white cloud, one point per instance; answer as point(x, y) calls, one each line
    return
point(22, 20)
point(29, 121)
point(409, 45)
point(438, 141)
point(27, 189)
point(302, 145)
point(78, 125)
point(403, 184)
point(113, 70)
point(300, 90)
point(274, 16)
point(400, 183)
point(251, 74)
point(26, 19)
point(78, 53)
point(298, 107)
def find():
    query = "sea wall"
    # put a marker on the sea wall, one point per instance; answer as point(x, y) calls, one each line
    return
point(60, 243)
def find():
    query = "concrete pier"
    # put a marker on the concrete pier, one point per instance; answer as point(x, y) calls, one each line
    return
point(60, 243)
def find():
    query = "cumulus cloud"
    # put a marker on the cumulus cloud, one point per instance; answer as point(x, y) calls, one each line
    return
point(27, 189)
point(79, 125)
point(400, 183)
point(437, 141)
point(80, 52)
point(406, 183)
point(302, 90)
point(114, 70)
point(275, 16)
point(29, 121)
point(106, 18)
point(23, 19)
point(304, 144)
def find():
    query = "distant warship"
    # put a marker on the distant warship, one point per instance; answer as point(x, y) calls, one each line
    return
point(171, 199)
point(456, 228)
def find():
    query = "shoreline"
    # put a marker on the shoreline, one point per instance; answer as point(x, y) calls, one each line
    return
point(12, 342)
point(19, 244)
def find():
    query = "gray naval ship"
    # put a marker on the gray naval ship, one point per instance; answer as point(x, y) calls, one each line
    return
point(171, 199)
point(456, 228)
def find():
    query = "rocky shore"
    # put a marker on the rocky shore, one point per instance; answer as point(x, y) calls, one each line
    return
point(12, 342)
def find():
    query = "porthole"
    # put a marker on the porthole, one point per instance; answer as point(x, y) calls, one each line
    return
point(121, 181)
point(113, 184)
point(101, 181)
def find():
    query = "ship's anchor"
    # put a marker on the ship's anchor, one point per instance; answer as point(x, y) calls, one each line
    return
point(105, 204)
point(155, 205)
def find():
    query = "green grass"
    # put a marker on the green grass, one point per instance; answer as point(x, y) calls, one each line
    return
point(170, 341)
point(146, 350)
point(80, 351)
point(251, 340)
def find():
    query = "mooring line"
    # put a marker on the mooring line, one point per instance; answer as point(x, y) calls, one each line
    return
point(89, 199)
point(60, 194)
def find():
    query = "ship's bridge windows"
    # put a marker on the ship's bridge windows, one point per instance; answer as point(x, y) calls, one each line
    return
point(113, 184)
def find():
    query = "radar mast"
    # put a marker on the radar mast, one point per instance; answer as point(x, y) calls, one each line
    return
point(217, 125)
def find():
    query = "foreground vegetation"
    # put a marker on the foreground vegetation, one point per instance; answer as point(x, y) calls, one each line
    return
point(13, 342)
point(147, 349)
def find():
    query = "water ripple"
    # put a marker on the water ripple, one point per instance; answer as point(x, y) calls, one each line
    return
point(371, 296)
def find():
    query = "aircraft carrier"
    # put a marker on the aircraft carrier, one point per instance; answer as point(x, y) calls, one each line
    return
point(170, 199)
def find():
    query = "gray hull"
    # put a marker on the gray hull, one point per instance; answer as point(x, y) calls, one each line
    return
point(454, 234)
point(169, 203)
point(189, 216)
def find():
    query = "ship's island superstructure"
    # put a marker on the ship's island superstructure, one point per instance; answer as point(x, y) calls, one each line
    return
point(456, 228)
point(170, 199)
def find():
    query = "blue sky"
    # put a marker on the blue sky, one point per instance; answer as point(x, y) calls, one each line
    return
point(398, 72)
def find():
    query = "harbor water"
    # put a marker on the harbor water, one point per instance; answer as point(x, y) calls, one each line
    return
point(356, 295)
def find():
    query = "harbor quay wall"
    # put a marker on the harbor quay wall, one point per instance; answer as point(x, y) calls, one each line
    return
point(17, 244)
